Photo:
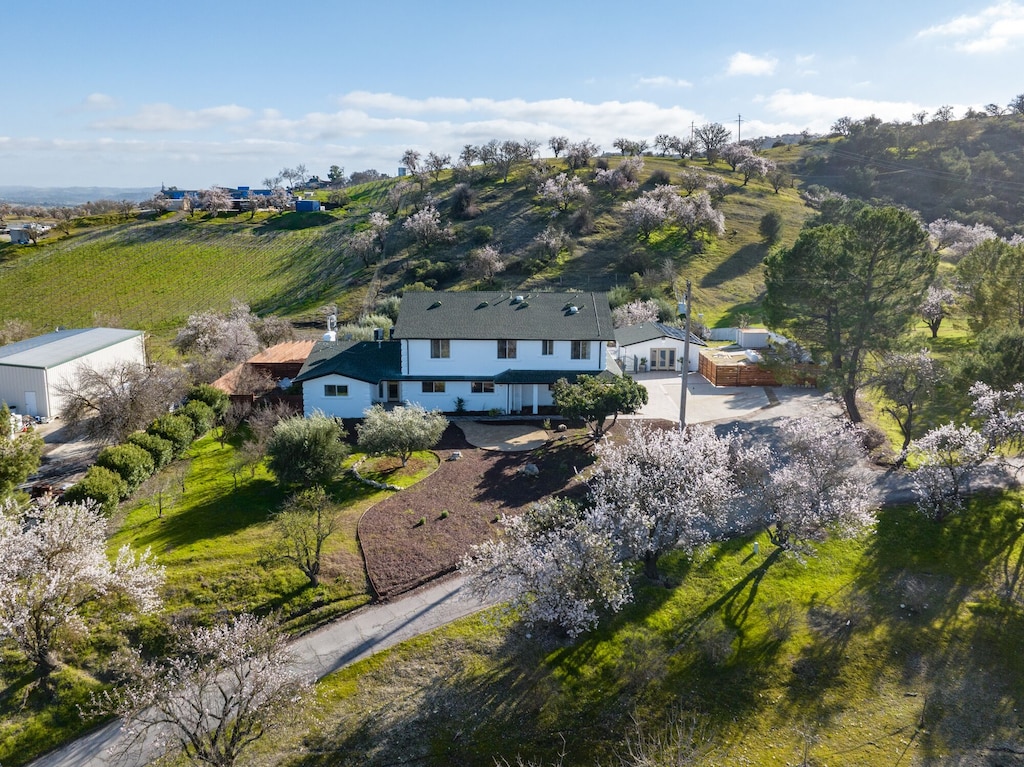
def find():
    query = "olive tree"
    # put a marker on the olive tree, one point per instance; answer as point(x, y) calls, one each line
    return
point(401, 431)
point(595, 399)
point(307, 451)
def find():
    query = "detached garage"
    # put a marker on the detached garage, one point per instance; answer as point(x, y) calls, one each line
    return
point(654, 346)
point(30, 370)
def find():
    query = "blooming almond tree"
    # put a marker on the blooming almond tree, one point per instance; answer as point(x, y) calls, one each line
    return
point(563, 190)
point(53, 564)
point(945, 459)
point(935, 307)
point(635, 313)
point(223, 689)
point(805, 486)
point(1001, 414)
point(661, 490)
point(556, 563)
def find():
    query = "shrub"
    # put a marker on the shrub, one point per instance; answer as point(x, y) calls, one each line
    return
point(463, 202)
point(770, 227)
point(99, 484)
point(660, 177)
point(482, 234)
point(218, 401)
point(159, 449)
point(130, 462)
point(201, 415)
point(307, 451)
point(176, 429)
point(582, 222)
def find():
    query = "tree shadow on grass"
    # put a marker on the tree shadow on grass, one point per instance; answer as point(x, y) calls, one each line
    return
point(740, 263)
point(218, 515)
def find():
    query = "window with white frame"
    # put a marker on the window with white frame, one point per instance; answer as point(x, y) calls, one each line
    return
point(581, 350)
point(440, 348)
point(547, 348)
point(482, 387)
point(335, 390)
point(433, 387)
point(506, 348)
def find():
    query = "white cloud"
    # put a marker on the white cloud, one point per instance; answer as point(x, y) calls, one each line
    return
point(817, 113)
point(98, 102)
point(995, 28)
point(164, 117)
point(663, 81)
point(747, 64)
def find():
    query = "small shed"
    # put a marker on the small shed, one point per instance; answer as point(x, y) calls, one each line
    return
point(275, 366)
point(307, 206)
point(655, 346)
point(31, 370)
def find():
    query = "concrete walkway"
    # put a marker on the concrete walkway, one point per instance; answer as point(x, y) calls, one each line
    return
point(502, 437)
point(328, 649)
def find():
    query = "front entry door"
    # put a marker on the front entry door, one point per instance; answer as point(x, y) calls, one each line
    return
point(392, 391)
point(663, 359)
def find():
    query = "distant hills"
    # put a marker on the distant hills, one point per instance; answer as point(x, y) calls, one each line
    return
point(72, 195)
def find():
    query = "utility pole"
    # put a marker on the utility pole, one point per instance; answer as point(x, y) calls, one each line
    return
point(686, 359)
point(692, 126)
point(739, 128)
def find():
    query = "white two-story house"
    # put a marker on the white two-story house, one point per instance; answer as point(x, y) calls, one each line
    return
point(482, 351)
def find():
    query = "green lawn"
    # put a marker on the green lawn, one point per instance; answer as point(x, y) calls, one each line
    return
point(901, 647)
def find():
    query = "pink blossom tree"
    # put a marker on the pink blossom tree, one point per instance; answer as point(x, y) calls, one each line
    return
point(556, 563)
point(54, 570)
point(220, 691)
point(661, 490)
point(804, 486)
point(563, 190)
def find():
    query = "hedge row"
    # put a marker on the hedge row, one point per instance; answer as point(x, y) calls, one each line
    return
point(120, 469)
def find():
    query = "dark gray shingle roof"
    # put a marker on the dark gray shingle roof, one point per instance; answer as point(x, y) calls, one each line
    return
point(638, 334)
point(482, 315)
point(370, 361)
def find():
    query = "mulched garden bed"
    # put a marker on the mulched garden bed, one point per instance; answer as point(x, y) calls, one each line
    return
point(402, 553)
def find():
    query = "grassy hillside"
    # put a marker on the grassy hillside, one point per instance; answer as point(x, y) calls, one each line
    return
point(899, 648)
point(971, 170)
point(153, 273)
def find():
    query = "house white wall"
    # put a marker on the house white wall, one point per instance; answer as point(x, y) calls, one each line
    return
point(626, 354)
point(361, 395)
point(470, 357)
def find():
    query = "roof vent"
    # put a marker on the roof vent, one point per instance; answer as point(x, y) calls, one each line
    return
point(517, 300)
point(331, 336)
point(434, 305)
point(573, 309)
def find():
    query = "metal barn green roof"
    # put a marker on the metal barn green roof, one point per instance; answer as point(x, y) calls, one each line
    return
point(484, 315)
point(62, 346)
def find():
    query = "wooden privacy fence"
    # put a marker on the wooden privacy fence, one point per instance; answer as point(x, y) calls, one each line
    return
point(734, 369)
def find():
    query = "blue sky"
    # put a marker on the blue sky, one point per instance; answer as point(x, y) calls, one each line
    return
point(195, 94)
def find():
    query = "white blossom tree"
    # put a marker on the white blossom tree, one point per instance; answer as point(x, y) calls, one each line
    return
point(905, 379)
point(635, 313)
point(580, 153)
point(401, 431)
point(214, 199)
point(805, 487)
point(483, 263)
point(558, 144)
point(220, 691)
point(960, 238)
point(936, 307)
point(696, 214)
point(555, 563)
point(661, 490)
point(735, 153)
point(755, 166)
point(563, 190)
point(53, 566)
point(645, 214)
point(945, 459)
point(425, 226)
point(1001, 413)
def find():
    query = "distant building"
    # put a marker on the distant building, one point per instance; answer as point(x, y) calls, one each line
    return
point(20, 236)
point(31, 370)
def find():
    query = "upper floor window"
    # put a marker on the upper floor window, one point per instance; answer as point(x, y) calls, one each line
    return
point(547, 348)
point(335, 390)
point(507, 349)
point(581, 350)
point(440, 348)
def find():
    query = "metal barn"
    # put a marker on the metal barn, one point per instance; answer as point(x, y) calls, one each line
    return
point(31, 369)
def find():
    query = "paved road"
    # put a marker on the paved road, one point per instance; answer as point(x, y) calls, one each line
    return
point(328, 649)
